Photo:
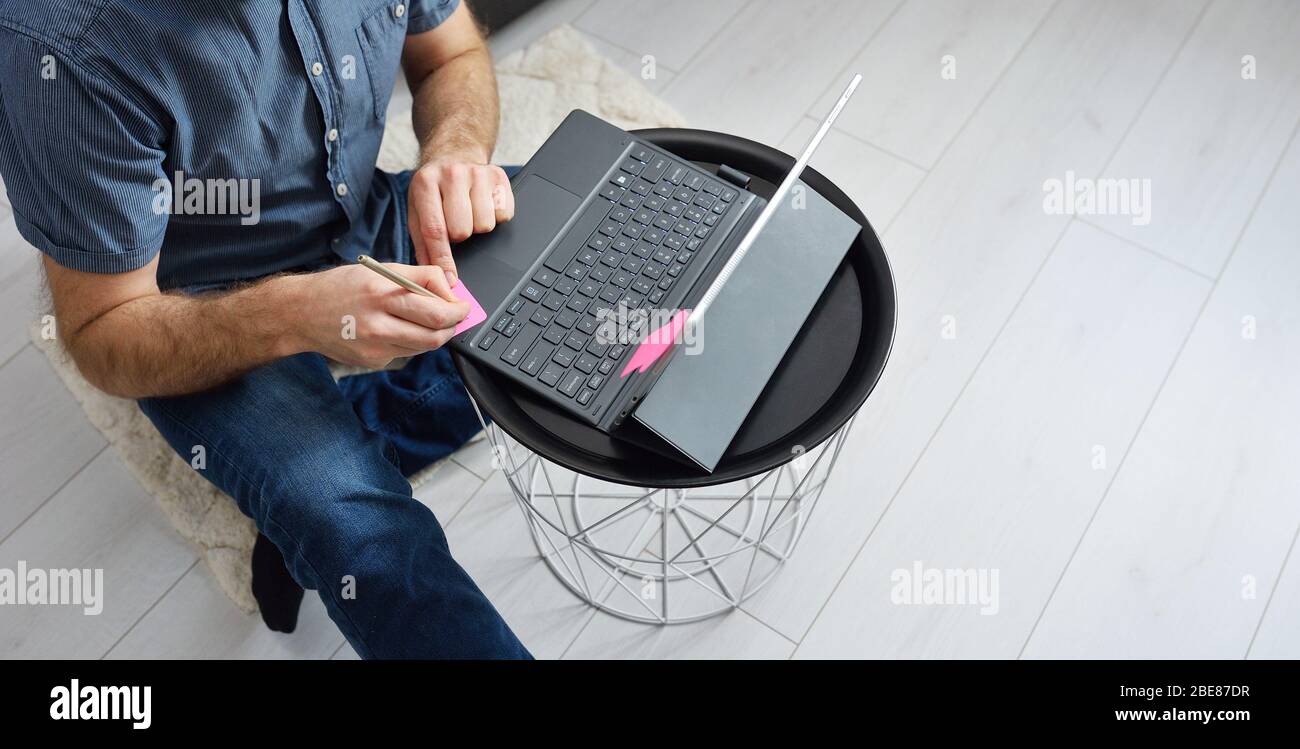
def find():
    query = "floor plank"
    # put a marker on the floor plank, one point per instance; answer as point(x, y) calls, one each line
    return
point(1209, 139)
point(196, 620)
point(44, 436)
point(1009, 483)
point(907, 105)
point(964, 249)
point(1181, 557)
point(765, 96)
point(674, 31)
point(101, 520)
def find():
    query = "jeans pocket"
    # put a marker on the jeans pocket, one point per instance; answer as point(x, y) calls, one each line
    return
point(381, 36)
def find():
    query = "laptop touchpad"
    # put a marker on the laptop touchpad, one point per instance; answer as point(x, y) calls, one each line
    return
point(541, 208)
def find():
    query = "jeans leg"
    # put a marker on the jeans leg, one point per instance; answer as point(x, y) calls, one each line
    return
point(286, 444)
point(422, 409)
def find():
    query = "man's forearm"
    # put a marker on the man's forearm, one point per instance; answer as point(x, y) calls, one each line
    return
point(455, 108)
point(172, 344)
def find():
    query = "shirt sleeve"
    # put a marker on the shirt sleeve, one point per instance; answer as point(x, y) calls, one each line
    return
point(428, 14)
point(81, 161)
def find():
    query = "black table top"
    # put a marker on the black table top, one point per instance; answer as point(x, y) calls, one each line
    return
point(824, 378)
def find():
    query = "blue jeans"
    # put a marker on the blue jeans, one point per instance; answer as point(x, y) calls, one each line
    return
point(321, 468)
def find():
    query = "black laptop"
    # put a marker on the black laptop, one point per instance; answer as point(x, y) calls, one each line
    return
point(606, 224)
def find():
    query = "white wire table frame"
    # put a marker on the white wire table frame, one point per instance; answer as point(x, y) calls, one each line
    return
point(659, 555)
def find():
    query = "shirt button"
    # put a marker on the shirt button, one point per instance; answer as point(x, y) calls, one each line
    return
point(333, 134)
point(317, 68)
point(342, 189)
point(400, 10)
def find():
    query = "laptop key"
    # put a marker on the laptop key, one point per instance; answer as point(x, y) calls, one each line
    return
point(652, 270)
point(563, 356)
point(566, 317)
point(621, 279)
point(554, 301)
point(640, 153)
point(663, 190)
point(533, 292)
point(642, 216)
point(656, 296)
point(674, 241)
point(545, 277)
point(675, 208)
point(576, 271)
point(588, 324)
point(610, 192)
point(728, 195)
point(599, 273)
point(486, 341)
point(632, 230)
point(683, 195)
point(516, 305)
point(541, 316)
point(676, 173)
point(576, 340)
point(554, 335)
point(612, 259)
point(619, 214)
point(641, 187)
point(695, 181)
point(585, 397)
point(605, 367)
point(611, 293)
point(589, 288)
point(565, 286)
point(516, 348)
point(642, 285)
point(653, 236)
point(621, 179)
point(610, 228)
point(643, 249)
point(712, 187)
point(586, 363)
point(663, 256)
point(597, 348)
point(630, 200)
point(536, 359)
point(551, 374)
point(631, 166)
point(570, 384)
point(655, 171)
point(587, 256)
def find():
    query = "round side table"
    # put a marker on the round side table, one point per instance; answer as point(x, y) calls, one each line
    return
point(645, 537)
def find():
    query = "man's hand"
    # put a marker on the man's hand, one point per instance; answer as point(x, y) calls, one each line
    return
point(353, 315)
point(450, 198)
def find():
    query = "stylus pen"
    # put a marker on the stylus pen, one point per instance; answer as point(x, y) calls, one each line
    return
point(394, 276)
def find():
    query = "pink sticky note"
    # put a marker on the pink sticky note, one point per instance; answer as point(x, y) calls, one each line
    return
point(476, 313)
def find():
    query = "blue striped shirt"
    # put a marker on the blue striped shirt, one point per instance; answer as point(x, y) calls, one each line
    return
point(232, 138)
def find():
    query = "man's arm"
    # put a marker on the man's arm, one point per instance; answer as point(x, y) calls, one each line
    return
point(131, 340)
point(455, 192)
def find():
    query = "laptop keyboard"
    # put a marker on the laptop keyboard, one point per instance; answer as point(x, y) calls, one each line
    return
point(660, 213)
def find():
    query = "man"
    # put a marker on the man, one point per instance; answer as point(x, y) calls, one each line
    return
point(196, 175)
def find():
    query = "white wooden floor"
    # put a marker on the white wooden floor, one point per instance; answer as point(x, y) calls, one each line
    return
point(1102, 413)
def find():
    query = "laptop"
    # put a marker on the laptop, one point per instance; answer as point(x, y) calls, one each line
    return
point(606, 224)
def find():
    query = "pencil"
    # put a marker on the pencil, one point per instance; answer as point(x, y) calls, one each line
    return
point(394, 276)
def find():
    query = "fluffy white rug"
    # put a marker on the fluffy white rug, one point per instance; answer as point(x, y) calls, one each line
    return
point(539, 85)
